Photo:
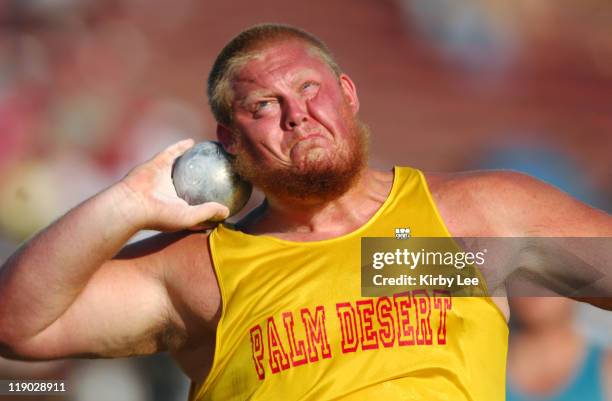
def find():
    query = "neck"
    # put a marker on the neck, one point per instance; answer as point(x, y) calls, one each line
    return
point(310, 216)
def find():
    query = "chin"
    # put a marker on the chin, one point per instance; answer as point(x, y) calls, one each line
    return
point(319, 169)
point(316, 160)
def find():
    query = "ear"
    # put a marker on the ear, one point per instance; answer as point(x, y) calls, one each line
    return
point(350, 92)
point(227, 138)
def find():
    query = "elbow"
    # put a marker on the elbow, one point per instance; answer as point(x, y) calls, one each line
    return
point(8, 350)
point(19, 352)
point(7, 338)
point(12, 347)
point(39, 347)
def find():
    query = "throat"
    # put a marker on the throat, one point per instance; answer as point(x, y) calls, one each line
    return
point(299, 222)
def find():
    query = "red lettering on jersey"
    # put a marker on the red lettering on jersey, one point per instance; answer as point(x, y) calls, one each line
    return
point(348, 324)
point(297, 351)
point(258, 351)
point(443, 302)
point(384, 306)
point(369, 337)
point(411, 321)
point(422, 306)
point(316, 333)
point(278, 357)
point(405, 331)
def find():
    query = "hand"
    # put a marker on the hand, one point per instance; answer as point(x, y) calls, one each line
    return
point(153, 201)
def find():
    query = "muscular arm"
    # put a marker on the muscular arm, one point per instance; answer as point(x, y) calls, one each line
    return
point(543, 211)
point(506, 204)
point(63, 294)
point(40, 282)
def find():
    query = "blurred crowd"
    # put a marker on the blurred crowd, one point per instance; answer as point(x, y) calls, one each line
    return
point(76, 110)
point(89, 88)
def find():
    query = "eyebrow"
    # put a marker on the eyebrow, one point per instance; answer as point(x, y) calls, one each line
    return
point(300, 76)
point(253, 95)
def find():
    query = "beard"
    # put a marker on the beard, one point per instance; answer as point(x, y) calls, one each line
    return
point(320, 178)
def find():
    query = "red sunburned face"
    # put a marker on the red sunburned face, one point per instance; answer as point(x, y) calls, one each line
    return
point(287, 105)
point(293, 115)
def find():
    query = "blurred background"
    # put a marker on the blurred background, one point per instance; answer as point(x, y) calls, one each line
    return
point(89, 88)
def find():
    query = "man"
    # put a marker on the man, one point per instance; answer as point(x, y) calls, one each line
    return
point(549, 358)
point(271, 308)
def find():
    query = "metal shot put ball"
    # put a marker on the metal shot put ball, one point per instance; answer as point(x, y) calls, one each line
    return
point(204, 174)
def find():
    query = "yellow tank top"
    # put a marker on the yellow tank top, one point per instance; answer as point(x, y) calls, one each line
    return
point(295, 327)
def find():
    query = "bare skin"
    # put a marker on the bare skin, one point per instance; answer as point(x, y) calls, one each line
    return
point(73, 291)
point(547, 352)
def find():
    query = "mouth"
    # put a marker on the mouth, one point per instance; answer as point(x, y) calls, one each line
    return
point(307, 143)
point(310, 135)
point(313, 136)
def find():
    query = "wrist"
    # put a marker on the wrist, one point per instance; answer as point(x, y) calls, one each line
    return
point(127, 204)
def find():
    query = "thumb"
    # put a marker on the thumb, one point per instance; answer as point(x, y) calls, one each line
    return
point(209, 211)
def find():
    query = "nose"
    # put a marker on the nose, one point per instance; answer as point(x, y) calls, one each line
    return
point(296, 113)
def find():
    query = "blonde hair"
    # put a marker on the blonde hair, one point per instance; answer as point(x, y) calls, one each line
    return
point(246, 46)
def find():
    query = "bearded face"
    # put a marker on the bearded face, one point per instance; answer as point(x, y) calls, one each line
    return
point(294, 130)
point(320, 176)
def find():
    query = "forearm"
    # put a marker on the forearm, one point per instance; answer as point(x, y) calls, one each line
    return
point(64, 294)
point(603, 303)
point(41, 280)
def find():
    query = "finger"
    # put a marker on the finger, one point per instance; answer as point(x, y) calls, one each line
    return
point(207, 212)
point(175, 150)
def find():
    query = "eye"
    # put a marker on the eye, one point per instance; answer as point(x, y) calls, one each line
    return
point(309, 85)
point(261, 105)
point(310, 89)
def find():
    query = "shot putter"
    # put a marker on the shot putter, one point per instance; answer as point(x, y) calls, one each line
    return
point(204, 174)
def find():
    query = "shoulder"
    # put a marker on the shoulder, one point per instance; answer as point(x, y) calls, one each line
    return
point(506, 203)
point(480, 182)
point(168, 250)
point(181, 261)
point(469, 201)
